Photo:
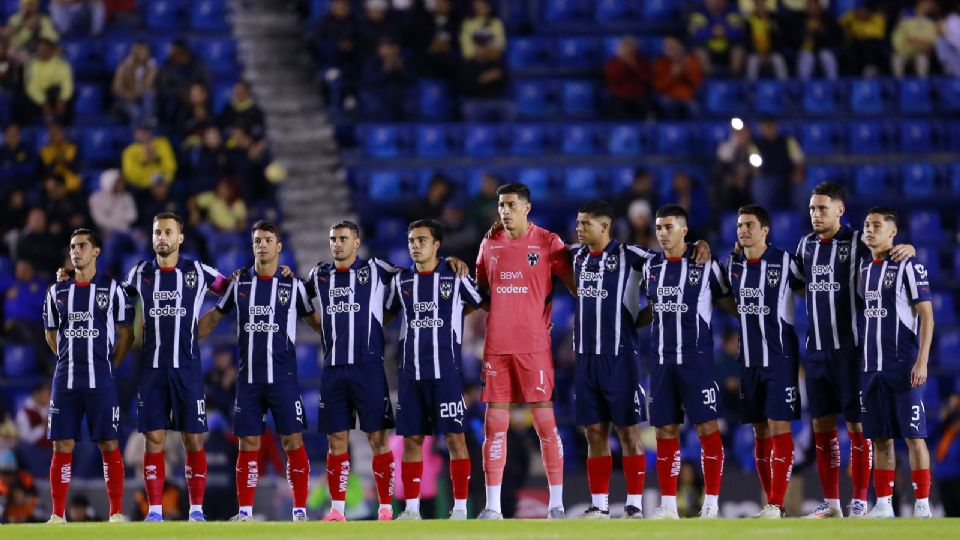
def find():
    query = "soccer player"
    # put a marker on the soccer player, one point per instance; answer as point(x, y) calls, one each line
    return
point(433, 301)
point(830, 258)
point(268, 306)
point(681, 293)
point(897, 332)
point(87, 320)
point(517, 264)
point(763, 278)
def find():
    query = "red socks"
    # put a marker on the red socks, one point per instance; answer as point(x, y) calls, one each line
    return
point(883, 482)
point(598, 474)
point(154, 476)
point(634, 471)
point(828, 463)
point(383, 474)
point(496, 422)
point(338, 474)
point(460, 477)
point(113, 475)
point(248, 474)
point(860, 459)
point(195, 472)
point(668, 465)
point(61, 471)
point(298, 475)
point(711, 459)
point(551, 447)
point(411, 472)
point(921, 483)
point(781, 467)
point(762, 448)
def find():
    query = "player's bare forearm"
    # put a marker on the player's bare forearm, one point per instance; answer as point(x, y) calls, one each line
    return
point(124, 342)
point(458, 266)
point(208, 322)
point(902, 252)
point(51, 336)
point(313, 321)
point(569, 283)
point(918, 375)
point(727, 304)
point(701, 252)
point(645, 317)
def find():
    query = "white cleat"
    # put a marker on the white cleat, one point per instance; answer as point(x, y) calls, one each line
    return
point(858, 510)
point(665, 513)
point(709, 512)
point(770, 511)
point(490, 514)
point(458, 515)
point(882, 510)
point(119, 518)
point(824, 511)
point(408, 515)
point(56, 520)
point(595, 513)
point(922, 510)
point(556, 513)
point(242, 516)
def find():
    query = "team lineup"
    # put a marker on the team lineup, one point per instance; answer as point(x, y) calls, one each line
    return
point(870, 328)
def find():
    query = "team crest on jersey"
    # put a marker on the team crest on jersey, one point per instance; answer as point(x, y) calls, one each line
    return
point(773, 276)
point(190, 279)
point(843, 253)
point(283, 295)
point(446, 289)
point(611, 264)
point(102, 299)
point(532, 258)
point(694, 276)
point(363, 275)
point(889, 278)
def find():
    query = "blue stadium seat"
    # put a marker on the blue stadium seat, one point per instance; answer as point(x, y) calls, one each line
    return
point(432, 140)
point(771, 98)
point(220, 54)
point(85, 56)
point(728, 228)
point(232, 259)
point(577, 98)
point(115, 49)
point(915, 96)
point(948, 347)
point(786, 228)
point(820, 97)
point(956, 262)
point(563, 10)
point(527, 140)
point(712, 134)
point(480, 140)
point(660, 11)
point(866, 97)
point(724, 98)
point(381, 141)
point(308, 361)
point(89, 100)
point(209, 15)
point(536, 179)
point(673, 139)
point(614, 10)
point(577, 140)
point(164, 15)
point(434, 100)
point(919, 180)
point(954, 179)
point(944, 309)
point(930, 259)
point(871, 179)
point(620, 179)
point(624, 140)
point(577, 53)
point(580, 183)
point(926, 227)
point(916, 136)
point(221, 95)
point(818, 138)
point(534, 99)
point(103, 145)
point(866, 138)
point(528, 52)
point(948, 92)
point(385, 186)
point(18, 361)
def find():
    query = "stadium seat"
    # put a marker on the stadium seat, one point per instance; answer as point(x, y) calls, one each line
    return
point(527, 52)
point(85, 56)
point(433, 98)
point(536, 179)
point(944, 309)
point(866, 97)
point(818, 138)
point(164, 15)
point(613, 11)
point(220, 54)
point(948, 93)
point(577, 140)
point(18, 361)
point(919, 180)
point(871, 180)
point(527, 140)
point(712, 134)
point(930, 259)
point(577, 99)
point(563, 10)
point(580, 183)
point(673, 139)
point(115, 49)
point(915, 96)
point(384, 186)
point(480, 140)
point(209, 15)
point(916, 136)
point(432, 140)
point(577, 53)
point(948, 347)
point(89, 101)
point(956, 262)
point(534, 99)
point(381, 141)
point(728, 228)
point(926, 227)
point(660, 11)
point(866, 138)
point(231, 259)
point(820, 97)
point(724, 98)
point(954, 179)
point(619, 179)
point(221, 95)
point(103, 145)
point(623, 140)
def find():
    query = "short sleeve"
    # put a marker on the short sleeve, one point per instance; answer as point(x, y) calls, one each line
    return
point(303, 303)
point(210, 274)
point(51, 317)
point(311, 285)
point(228, 301)
point(123, 306)
point(561, 264)
point(637, 257)
point(387, 270)
point(393, 295)
point(718, 282)
point(470, 292)
point(130, 284)
point(795, 274)
point(917, 282)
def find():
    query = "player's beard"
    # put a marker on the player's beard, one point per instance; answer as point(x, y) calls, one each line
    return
point(170, 250)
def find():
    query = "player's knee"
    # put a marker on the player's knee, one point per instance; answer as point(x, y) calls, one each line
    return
point(824, 423)
point(192, 442)
point(916, 444)
point(378, 442)
point(706, 428)
point(596, 433)
point(250, 444)
point(338, 442)
point(457, 445)
point(157, 439)
point(630, 439)
point(413, 442)
point(64, 446)
point(108, 446)
point(291, 442)
point(668, 432)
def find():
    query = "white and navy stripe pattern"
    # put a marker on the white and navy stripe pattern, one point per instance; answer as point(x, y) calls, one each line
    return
point(890, 291)
point(432, 311)
point(267, 311)
point(830, 271)
point(351, 303)
point(763, 290)
point(608, 297)
point(85, 316)
point(681, 294)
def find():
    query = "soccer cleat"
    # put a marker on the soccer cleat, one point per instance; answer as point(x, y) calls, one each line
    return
point(922, 510)
point(458, 515)
point(632, 512)
point(824, 511)
point(56, 520)
point(771, 511)
point(197, 517)
point(666, 513)
point(153, 517)
point(709, 512)
point(242, 516)
point(881, 510)
point(385, 514)
point(595, 513)
point(300, 515)
point(858, 509)
point(490, 514)
point(118, 518)
point(556, 513)
point(334, 515)
point(409, 515)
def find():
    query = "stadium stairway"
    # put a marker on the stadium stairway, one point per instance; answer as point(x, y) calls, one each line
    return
point(315, 192)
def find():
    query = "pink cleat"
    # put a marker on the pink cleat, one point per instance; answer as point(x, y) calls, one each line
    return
point(385, 514)
point(334, 515)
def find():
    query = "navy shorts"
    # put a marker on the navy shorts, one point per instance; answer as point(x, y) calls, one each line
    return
point(171, 398)
point(352, 391)
point(68, 408)
point(690, 388)
point(770, 393)
point(608, 389)
point(281, 399)
point(893, 410)
point(430, 407)
point(833, 383)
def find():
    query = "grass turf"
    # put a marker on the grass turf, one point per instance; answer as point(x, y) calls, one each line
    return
point(738, 529)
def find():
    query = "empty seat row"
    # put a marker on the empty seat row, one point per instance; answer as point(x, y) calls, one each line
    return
point(912, 180)
point(178, 14)
point(608, 11)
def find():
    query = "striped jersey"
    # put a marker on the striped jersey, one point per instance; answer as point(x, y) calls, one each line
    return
point(763, 290)
point(681, 294)
point(608, 297)
point(267, 311)
point(85, 316)
point(172, 299)
point(432, 310)
point(830, 272)
point(890, 291)
point(351, 303)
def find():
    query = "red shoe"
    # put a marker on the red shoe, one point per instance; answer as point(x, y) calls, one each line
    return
point(334, 515)
point(385, 514)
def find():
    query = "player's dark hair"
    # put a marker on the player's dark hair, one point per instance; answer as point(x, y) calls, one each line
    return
point(672, 210)
point(436, 229)
point(169, 215)
point(597, 208)
point(268, 226)
point(347, 224)
point(889, 214)
point(93, 237)
point(831, 189)
point(520, 190)
point(757, 211)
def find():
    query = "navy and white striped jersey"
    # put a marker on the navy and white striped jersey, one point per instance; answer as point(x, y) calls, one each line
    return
point(431, 329)
point(830, 273)
point(681, 293)
point(608, 297)
point(267, 311)
point(890, 291)
point(85, 316)
point(172, 299)
point(763, 289)
point(351, 303)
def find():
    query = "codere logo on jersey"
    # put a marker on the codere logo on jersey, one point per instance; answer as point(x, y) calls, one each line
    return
point(168, 311)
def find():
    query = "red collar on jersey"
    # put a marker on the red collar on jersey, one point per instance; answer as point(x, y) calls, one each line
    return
point(596, 253)
point(753, 261)
point(167, 268)
point(82, 283)
point(878, 261)
point(674, 259)
point(264, 277)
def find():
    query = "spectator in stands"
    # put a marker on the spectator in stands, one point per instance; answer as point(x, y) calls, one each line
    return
point(482, 18)
point(733, 172)
point(484, 81)
point(195, 117)
point(135, 84)
point(435, 33)
point(948, 44)
point(676, 77)
point(386, 78)
point(793, 13)
point(717, 31)
point(640, 223)
point(32, 417)
point(27, 27)
point(628, 78)
point(148, 158)
point(781, 173)
point(22, 300)
point(482, 211)
point(865, 29)
point(459, 235)
point(156, 201)
point(686, 193)
point(49, 85)
point(11, 80)
point(376, 25)
point(816, 37)
point(224, 209)
point(67, 211)
point(220, 382)
point(13, 216)
point(34, 243)
point(439, 192)
point(338, 46)
point(18, 162)
point(246, 160)
point(207, 162)
point(243, 109)
point(641, 189)
point(913, 39)
point(18, 492)
point(60, 157)
point(78, 17)
point(178, 72)
point(114, 211)
point(764, 43)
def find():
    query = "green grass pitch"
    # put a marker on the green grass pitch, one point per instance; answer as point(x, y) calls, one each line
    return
point(738, 529)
